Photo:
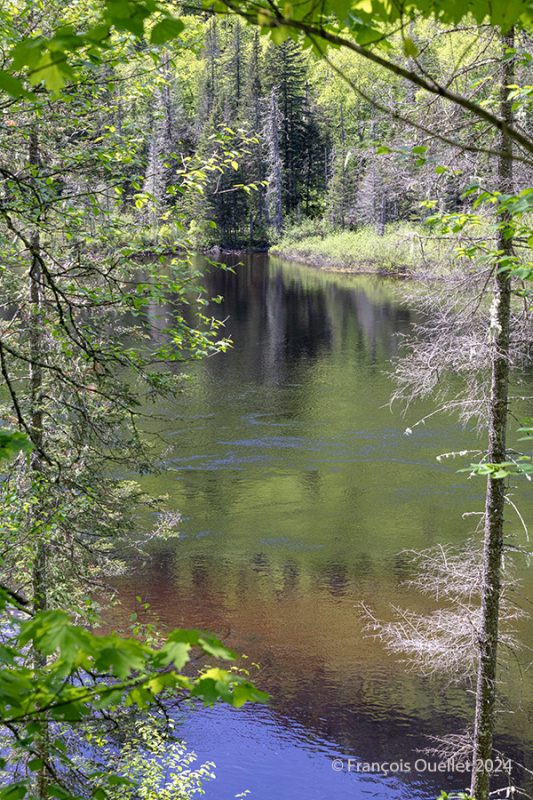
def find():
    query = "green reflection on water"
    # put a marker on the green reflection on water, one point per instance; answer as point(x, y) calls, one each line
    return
point(300, 491)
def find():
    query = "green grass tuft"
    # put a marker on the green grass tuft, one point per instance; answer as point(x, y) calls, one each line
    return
point(403, 248)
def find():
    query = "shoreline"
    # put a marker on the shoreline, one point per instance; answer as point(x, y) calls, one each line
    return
point(402, 250)
point(327, 264)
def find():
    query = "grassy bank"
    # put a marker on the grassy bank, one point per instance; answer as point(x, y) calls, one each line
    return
point(402, 249)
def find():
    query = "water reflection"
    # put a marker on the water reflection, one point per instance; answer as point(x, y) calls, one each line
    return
point(299, 492)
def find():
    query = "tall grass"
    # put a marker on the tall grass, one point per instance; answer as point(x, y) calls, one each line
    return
point(402, 248)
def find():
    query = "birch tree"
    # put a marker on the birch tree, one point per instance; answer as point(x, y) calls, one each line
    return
point(275, 166)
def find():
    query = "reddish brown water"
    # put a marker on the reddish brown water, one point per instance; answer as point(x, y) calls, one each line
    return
point(299, 492)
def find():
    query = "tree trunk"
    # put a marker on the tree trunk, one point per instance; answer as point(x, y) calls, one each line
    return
point(275, 177)
point(40, 583)
point(36, 380)
point(343, 157)
point(378, 209)
point(496, 489)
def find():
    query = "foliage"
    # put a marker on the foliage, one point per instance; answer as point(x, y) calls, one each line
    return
point(402, 248)
point(85, 675)
point(361, 14)
point(11, 443)
point(48, 58)
point(217, 74)
point(454, 796)
point(94, 333)
point(153, 764)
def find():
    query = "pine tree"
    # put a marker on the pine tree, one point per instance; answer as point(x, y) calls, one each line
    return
point(299, 136)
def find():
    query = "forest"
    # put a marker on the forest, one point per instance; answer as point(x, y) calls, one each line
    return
point(266, 376)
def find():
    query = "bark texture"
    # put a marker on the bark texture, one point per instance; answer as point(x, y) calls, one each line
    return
point(275, 178)
point(496, 488)
point(40, 568)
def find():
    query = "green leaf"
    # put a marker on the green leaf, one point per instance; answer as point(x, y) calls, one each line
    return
point(169, 28)
point(59, 793)
point(368, 35)
point(12, 443)
point(12, 86)
point(27, 53)
point(215, 648)
point(176, 653)
point(46, 630)
point(280, 34)
point(500, 473)
point(98, 33)
point(246, 692)
point(119, 780)
point(53, 70)
point(14, 792)
point(121, 657)
point(409, 48)
point(127, 15)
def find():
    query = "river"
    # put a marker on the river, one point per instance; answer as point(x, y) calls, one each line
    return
point(300, 492)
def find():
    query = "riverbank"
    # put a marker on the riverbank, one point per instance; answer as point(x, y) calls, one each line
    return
point(402, 250)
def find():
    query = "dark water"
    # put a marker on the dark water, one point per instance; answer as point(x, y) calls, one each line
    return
point(299, 491)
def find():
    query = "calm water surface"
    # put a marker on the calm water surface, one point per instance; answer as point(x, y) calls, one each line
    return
point(299, 492)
